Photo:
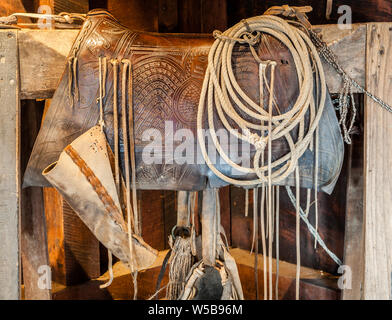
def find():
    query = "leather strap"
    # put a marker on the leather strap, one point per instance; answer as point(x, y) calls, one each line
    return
point(288, 11)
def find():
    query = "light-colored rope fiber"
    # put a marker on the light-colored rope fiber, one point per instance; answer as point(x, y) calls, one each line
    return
point(220, 88)
point(102, 64)
point(277, 244)
point(312, 230)
point(130, 211)
point(180, 264)
point(114, 62)
point(223, 96)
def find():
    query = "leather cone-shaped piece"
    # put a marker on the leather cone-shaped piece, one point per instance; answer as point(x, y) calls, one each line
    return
point(84, 178)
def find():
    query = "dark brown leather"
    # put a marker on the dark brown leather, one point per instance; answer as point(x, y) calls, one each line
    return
point(168, 71)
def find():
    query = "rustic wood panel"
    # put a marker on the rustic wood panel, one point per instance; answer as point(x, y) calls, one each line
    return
point(167, 16)
point(170, 214)
point(34, 247)
point(135, 14)
point(349, 46)
point(55, 234)
point(9, 167)
point(98, 4)
point(77, 6)
point(213, 15)
point(353, 239)
point(58, 6)
point(11, 6)
point(39, 80)
point(152, 213)
point(378, 163)
point(331, 226)
point(313, 285)
point(50, 48)
point(121, 287)
point(362, 10)
point(189, 16)
point(73, 249)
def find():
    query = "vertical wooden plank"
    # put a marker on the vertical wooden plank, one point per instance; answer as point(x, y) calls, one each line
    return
point(213, 15)
point(167, 16)
point(74, 251)
point(9, 167)
point(82, 257)
point(353, 250)
point(55, 234)
point(378, 165)
point(170, 213)
point(135, 14)
point(189, 16)
point(77, 6)
point(34, 248)
point(71, 6)
point(151, 208)
point(98, 4)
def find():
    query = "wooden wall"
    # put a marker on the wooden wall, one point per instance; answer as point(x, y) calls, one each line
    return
point(362, 10)
point(195, 16)
point(201, 16)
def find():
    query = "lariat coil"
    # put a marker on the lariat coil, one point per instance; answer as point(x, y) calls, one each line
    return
point(220, 89)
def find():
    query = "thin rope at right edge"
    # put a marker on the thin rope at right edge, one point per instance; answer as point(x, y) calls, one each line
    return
point(311, 228)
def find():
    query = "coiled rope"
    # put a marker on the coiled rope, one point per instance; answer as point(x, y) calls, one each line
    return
point(220, 88)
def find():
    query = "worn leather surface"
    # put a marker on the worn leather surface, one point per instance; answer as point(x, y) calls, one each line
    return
point(168, 71)
point(83, 176)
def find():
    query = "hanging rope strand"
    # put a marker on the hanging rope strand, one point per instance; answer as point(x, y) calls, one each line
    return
point(115, 125)
point(220, 89)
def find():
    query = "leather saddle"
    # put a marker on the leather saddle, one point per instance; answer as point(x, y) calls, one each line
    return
point(167, 75)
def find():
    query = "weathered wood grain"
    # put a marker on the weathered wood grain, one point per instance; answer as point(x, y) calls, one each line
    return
point(43, 56)
point(73, 249)
point(9, 167)
point(330, 226)
point(51, 47)
point(210, 11)
point(152, 216)
point(135, 14)
point(167, 15)
point(353, 250)
point(349, 46)
point(34, 247)
point(378, 164)
point(314, 284)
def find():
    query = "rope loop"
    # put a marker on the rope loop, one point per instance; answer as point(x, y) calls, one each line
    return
point(246, 37)
point(223, 99)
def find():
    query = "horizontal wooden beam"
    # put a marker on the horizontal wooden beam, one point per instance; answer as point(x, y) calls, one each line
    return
point(314, 284)
point(43, 56)
point(349, 46)
point(42, 59)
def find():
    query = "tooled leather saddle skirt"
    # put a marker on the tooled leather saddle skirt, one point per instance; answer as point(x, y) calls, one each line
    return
point(167, 75)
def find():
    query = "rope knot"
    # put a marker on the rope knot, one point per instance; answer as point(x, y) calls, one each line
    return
point(288, 11)
point(246, 37)
point(253, 138)
point(217, 34)
point(9, 20)
point(67, 18)
point(250, 38)
point(292, 12)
